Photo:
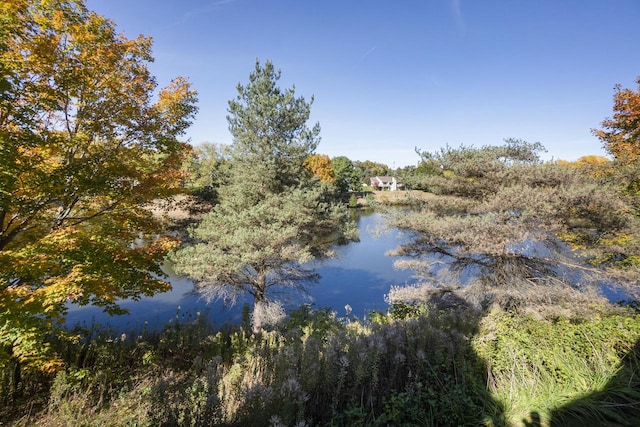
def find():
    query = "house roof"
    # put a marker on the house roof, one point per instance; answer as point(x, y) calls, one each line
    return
point(384, 179)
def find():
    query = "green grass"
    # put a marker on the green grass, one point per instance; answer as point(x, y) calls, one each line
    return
point(560, 369)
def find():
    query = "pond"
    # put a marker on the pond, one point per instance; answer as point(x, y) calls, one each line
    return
point(360, 276)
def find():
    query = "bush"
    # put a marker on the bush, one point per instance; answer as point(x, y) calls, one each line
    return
point(353, 201)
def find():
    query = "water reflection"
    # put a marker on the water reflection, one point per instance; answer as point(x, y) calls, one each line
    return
point(360, 276)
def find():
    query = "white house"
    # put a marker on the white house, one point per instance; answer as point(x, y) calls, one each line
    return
point(385, 183)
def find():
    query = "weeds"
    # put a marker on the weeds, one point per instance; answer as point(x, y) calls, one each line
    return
point(410, 366)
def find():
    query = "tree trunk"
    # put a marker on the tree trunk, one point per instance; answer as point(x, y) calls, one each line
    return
point(257, 318)
point(16, 379)
point(259, 301)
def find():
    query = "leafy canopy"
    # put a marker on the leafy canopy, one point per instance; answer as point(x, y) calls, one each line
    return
point(85, 146)
point(621, 133)
point(346, 174)
point(370, 169)
point(205, 171)
point(320, 165)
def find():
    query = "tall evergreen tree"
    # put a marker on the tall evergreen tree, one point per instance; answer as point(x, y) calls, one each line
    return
point(273, 215)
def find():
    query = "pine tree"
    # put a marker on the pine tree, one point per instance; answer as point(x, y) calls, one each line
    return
point(273, 216)
point(503, 228)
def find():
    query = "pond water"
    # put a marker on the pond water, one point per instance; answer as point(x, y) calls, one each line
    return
point(360, 276)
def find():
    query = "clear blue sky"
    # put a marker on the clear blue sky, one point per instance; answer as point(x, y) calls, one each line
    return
point(389, 76)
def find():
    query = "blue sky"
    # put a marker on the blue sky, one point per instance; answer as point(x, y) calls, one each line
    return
point(388, 76)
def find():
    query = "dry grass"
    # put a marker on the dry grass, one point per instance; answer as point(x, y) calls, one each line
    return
point(179, 209)
point(402, 197)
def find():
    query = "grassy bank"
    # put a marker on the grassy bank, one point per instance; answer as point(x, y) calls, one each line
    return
point(412, 366)
point(391, 198)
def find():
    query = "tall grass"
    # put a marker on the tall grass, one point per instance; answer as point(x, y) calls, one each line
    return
point(562, 370)
point(415, 365)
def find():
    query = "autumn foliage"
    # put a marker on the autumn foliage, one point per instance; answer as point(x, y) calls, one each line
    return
point(84, 146)
point(320, 166)
point(592, 165)
point(621, 133)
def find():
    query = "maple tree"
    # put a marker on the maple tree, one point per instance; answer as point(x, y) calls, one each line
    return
point(85, 145)
point(320, 166)
point(621, 133)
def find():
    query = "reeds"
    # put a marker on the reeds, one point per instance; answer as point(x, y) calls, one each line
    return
point(410, 366)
